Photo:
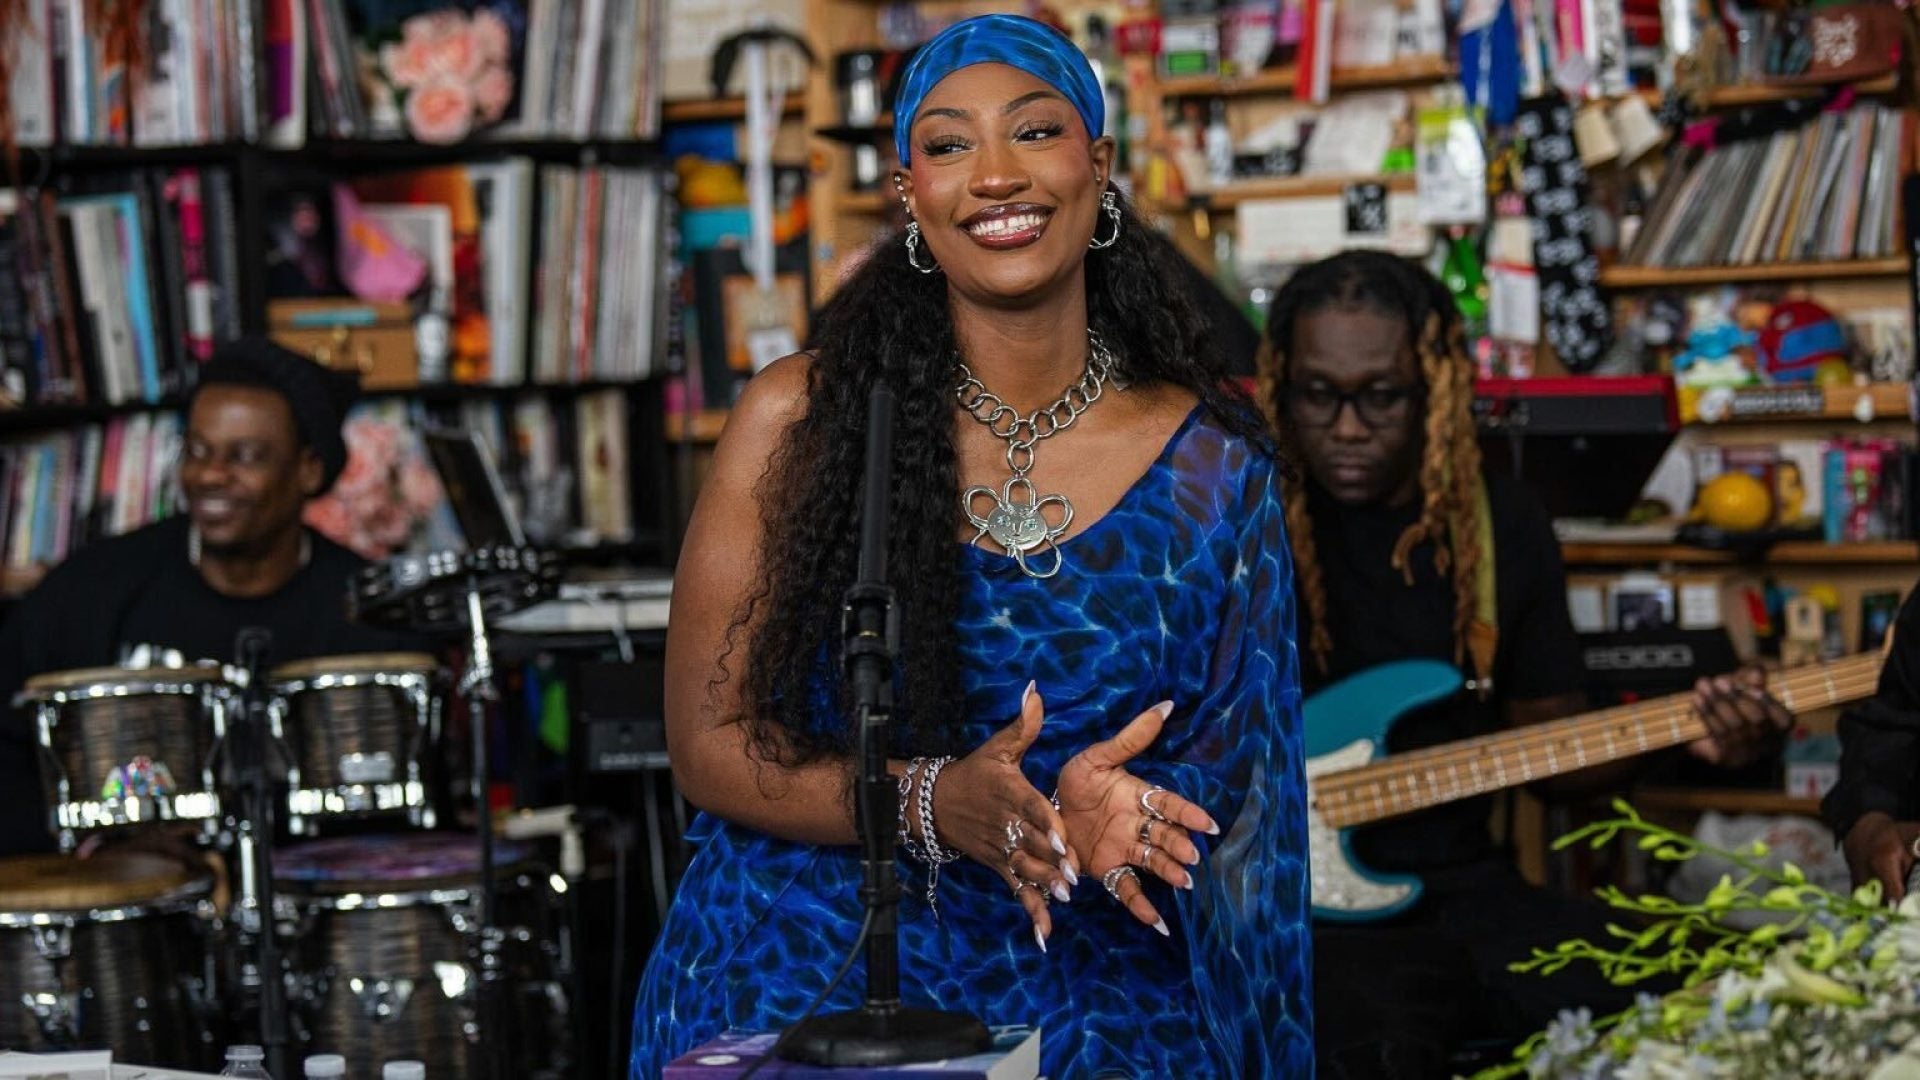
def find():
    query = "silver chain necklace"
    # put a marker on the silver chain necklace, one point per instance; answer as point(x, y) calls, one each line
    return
point(1016, 516)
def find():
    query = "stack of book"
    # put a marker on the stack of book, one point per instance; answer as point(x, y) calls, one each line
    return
point(62, 489)
point(601, 307)
point(111, 297)
point(75, 82)
point(1823, 192)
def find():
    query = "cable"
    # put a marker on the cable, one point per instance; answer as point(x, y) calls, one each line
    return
point(859, 941)
point(622, 836)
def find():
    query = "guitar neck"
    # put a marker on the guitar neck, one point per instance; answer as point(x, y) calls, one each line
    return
point(1406, 783)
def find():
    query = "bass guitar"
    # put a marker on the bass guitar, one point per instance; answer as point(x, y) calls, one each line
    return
point(1349, 784)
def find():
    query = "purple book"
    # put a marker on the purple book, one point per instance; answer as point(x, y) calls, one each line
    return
point(1015, 1056)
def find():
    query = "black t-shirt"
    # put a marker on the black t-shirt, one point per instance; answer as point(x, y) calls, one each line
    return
point(1376, 618)
point(1880, 737)
point(139, 589)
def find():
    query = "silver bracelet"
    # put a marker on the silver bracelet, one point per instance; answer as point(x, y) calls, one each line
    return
point(936, 855)
point(903, 836)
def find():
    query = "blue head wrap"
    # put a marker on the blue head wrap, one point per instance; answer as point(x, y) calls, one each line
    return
point(1033, 47)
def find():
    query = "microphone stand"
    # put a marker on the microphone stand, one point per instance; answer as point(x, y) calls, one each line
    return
point(881, 1032)
point(247, 737)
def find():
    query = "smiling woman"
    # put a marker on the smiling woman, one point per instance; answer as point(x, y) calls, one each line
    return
point(1095, 597)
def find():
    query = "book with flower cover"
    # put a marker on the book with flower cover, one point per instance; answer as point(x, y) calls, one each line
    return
point(1015, 1056)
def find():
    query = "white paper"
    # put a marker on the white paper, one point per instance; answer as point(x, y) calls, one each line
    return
point(1700, 605)
point(1586, 604)
point(82, 1065)
point(1513, 304)
point(1364, 32)
point(1353, 135)
point(1283, 232)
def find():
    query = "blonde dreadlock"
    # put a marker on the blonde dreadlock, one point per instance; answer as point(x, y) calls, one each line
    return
point(1450, 465)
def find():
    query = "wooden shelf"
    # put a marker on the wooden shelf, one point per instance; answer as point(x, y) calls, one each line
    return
point(1796, 553)
point(1279, 80)
point(1725, 800)
point(1733, 97)
point(703, 427)
point(1294, 187)
point(694, 112)
point(1659, 277)
point(861, 202)
point(1788, 403)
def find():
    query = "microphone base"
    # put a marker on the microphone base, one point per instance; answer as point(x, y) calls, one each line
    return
point(871, 1037)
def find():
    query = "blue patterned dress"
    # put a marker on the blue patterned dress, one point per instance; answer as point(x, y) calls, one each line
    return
point(1184, 591)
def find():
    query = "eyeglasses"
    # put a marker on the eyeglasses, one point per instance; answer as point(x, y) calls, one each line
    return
point(1315, 405)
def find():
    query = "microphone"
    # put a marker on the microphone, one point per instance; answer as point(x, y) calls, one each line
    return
point(881, 1032)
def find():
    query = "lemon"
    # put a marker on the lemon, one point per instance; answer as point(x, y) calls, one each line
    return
point(1736, 502)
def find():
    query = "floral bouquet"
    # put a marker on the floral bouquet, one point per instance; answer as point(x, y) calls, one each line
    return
point(387, 496)
point(452, 68)
point(1829, 988)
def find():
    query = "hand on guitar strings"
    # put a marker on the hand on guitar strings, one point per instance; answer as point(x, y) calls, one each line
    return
point(985, 808)
point(1743, 720)
point(1120, 825)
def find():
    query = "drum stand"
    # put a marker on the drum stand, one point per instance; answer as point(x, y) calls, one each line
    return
point(477, 690)
point(247, 736)
point(446, 592)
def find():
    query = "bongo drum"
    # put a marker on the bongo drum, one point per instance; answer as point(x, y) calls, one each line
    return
point(122, 747)
point(105, 953)
point(358, 730)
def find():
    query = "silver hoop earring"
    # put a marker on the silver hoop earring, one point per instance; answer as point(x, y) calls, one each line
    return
point(913, 249)
point(1112, 210)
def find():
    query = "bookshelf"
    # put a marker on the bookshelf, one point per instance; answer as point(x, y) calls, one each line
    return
point(1794, 553)
point(1292, 187)
point(1725, 800)
point(1678, 277)
point(1279, 81)
point(1800, 404)
point(699, 112)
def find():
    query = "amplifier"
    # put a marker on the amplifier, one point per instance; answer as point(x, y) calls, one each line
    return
point(619, 707)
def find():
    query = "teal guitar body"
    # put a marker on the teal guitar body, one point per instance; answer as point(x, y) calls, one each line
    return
point(1346, 727)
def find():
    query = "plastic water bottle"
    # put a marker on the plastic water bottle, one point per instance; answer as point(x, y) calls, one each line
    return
point(403, 1070)
point(247, 1061)
point(326, 1067)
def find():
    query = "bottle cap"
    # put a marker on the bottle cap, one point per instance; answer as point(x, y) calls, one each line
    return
point(245, 1052)
point(325, 1066)
point(403, 1070)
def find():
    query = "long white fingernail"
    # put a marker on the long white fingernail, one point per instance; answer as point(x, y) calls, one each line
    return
point(1213, 827)
point(1162, 927)
point(1059, 845)
point(1027, 693)
point(1072, 878)
point(1040, 939)
point(1189, 882)
point(1165, 709)
point(1061, 894)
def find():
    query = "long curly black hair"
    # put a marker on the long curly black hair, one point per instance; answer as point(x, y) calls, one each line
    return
point(888, 321)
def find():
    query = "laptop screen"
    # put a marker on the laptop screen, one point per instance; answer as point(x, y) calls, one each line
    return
point(473, 486)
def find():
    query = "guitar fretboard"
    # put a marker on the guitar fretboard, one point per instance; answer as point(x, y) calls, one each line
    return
point(1410, 782)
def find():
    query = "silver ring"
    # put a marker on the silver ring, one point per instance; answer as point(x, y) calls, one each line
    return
point(1146, 831)
point(1146, 806)
point(1914, 847)
point(1146, 853)
point(1016, 835)
point(1111, 879)
point(1022, 883)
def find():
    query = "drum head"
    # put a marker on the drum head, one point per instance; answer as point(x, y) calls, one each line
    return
point(111, 879)
point(409, 862)
point(356, 664)
point(54, 682)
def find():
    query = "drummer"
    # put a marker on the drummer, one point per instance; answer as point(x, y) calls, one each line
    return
point(264, 435)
